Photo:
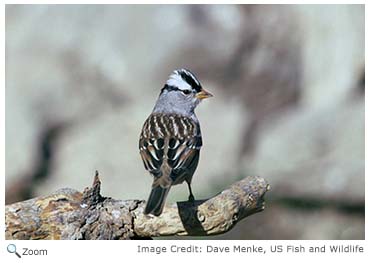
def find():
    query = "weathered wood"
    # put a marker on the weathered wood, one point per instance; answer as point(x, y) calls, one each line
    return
point(69, 214)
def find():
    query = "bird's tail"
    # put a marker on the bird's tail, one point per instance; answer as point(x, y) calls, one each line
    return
point(156, 200)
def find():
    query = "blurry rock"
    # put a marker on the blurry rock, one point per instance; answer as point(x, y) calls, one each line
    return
point(21, 134)
point(280, 222)
point(318, 148)
point(333, 51)
point(317, 153)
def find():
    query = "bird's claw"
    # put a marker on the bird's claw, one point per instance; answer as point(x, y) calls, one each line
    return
point(191, 199)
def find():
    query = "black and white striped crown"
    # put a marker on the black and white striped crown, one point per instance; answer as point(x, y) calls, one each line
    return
point(183, 79)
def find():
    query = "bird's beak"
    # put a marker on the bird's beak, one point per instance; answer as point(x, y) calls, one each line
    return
point(203, 94)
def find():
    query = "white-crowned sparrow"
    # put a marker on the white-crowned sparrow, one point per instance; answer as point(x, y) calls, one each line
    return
point(170, 140)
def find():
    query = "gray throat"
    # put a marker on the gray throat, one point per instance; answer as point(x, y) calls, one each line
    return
point(171, 104)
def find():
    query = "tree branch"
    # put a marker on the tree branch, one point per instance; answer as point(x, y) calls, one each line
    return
point(69, 214)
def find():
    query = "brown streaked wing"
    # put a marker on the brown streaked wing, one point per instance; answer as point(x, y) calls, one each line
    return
point(183, 143)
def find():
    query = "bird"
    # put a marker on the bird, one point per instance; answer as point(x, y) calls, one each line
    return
point(170, 140)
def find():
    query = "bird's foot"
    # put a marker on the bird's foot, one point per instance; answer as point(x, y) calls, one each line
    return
point(191, 198)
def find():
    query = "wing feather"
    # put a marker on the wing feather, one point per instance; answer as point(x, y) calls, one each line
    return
point(162, 144)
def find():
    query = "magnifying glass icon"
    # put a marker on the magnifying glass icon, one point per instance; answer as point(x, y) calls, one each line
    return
point(13, 249)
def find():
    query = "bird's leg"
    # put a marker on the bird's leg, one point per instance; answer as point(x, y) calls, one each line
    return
point(191, 198)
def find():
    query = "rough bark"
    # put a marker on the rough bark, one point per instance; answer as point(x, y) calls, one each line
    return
point(69, 214)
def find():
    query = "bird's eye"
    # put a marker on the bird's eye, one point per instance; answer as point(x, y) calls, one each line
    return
point(186, 91)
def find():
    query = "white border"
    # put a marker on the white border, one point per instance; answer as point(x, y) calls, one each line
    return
point(99, 251)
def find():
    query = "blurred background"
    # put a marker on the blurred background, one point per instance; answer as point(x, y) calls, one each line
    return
point(288, 84)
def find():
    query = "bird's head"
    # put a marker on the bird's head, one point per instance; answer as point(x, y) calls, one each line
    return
point(182, 92)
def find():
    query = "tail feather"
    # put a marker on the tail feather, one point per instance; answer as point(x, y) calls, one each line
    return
point(156, 200)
